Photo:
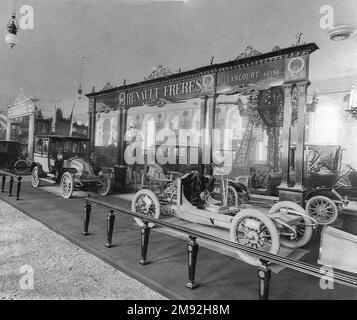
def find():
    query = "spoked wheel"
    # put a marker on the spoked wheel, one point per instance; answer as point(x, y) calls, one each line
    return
point(303, 226)
point(146, 203)
point(67, 185)
point(322, 209)
point(20, 166)
point(34, 177)
point(105, 185)
point(254, 229)
point(232, 197)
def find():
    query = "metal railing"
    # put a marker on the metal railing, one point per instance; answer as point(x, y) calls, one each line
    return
point(264, 271)
point(12, 176)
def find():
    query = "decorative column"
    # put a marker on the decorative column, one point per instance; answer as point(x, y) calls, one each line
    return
point(123, 132)
point(89, 133)
point(91, 123)
point(92, 139)
point(8, 130)
point(210, 125)
point(286, 136)
point(203, 121)
point(300, 146)
point(31, 136)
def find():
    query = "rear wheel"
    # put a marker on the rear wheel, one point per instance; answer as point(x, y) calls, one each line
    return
point(105, 184)
point(146, 203)
point(35, 177)
point(67, 185)
point(254, 229)
point(322, 209)
point(303, 228)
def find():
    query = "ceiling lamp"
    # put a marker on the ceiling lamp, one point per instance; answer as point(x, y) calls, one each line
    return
point(12, 28)
point(342, 32)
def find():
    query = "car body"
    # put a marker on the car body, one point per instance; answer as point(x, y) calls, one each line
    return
point(66, 160)
point(10, 152)
point(323, 195)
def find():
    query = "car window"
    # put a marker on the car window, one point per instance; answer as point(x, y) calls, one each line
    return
point(38, 147)
point(56, 146)
point(67, 147)
point(45, 146)
point(84, 147)
point(75, 147)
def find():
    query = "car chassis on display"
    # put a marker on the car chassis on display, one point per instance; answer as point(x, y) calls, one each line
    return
point(65, 160)
point(187, 197)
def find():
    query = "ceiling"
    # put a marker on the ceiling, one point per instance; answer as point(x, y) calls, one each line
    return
point(126, 39)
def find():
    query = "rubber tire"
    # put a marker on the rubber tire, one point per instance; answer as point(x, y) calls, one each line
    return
point(154, 198)
point(275, 246)
point(20, 172)
point(308, 229)
point(234, 191)
point(334, 206)
point(106, 192)
point(69, 195)
point(35, 171)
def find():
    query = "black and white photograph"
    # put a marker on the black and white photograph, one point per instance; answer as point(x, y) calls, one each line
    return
point(178, 155)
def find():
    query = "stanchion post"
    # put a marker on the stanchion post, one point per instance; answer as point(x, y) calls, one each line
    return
point(19, 182)
point(145, 232)
point(192, 250)
point(110, 228)
point(10, 186)
point(87, 212)
point(264, 274)
point(3, 183)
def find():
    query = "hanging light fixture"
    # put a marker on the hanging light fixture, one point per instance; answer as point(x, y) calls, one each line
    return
point(12, 28)
point(80, 91)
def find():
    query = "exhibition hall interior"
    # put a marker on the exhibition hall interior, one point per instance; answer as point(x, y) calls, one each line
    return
point(191, 150)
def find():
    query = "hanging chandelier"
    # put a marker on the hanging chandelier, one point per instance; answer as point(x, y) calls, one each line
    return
point(80, 91)
point(12, 28)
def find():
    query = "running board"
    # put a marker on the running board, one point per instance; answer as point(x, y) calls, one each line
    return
point(47, 180)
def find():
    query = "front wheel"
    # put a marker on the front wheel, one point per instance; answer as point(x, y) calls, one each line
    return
point(254, 229)
point(34, 177)
point(323, 209)
point(20, 166)
point(232, 197)
point(67, 185)
point(146, 203)
point(105, 185)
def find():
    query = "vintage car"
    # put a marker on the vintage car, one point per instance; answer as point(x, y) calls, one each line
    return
point(325, 196)
point(10, 155)
point(66, 160)
point(191, 198)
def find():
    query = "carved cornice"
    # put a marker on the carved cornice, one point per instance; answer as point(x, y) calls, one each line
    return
point(159, 72)
point(249, 52)
point(226, 66)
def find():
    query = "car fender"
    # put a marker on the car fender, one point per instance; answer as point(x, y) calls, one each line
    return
point(327, 192)
point(36, 164)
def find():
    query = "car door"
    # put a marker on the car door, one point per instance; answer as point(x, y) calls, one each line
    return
point(40, 156)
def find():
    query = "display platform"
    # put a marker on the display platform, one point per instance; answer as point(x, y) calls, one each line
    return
point(219, 276)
